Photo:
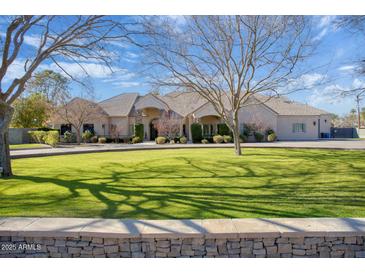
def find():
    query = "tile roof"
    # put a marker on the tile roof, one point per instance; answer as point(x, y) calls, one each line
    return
point(185, 103)
point(285, 106)
point(119, 105)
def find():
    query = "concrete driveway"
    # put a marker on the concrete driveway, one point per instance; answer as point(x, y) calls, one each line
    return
point(88, 148)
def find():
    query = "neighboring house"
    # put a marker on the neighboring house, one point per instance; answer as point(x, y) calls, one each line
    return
point(290, 120)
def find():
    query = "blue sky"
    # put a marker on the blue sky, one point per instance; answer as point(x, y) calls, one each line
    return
point(334, 58)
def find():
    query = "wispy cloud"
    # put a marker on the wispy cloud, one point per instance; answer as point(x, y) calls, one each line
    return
point(324, 26)
point(347, 68)
point(305, 81)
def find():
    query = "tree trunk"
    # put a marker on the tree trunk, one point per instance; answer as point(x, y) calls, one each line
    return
point(78, 137)
point(358, 112)
point(6, 113)
point(236, 137)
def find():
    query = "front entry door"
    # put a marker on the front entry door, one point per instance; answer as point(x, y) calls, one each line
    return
point(153, 132)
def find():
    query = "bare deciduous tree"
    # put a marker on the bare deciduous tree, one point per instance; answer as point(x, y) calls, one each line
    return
point(359, 95)
point(78, 112)
point(167, 125)
point(227, 59)
point(59, 38)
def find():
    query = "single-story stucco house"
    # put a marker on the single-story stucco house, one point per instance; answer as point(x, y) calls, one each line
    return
point(290, 120)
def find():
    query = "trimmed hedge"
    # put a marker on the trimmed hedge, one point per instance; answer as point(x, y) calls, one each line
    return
point(218, 139)
point(183, 140)
point(161, 140)
point(227, 138)
point(139, 131)
point(102, 140)
point(52, 138)
point(223, 129)
point(271, 137)
point(196, 132)
point(136, 140)
point(205, 141)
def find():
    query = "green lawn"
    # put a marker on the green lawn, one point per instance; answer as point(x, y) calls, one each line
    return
point(25, 146)
point(188, 183)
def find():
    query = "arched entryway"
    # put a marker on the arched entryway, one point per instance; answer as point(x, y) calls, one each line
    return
point(153, 129)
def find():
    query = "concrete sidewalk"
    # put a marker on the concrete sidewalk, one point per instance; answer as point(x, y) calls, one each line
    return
point(89, 148)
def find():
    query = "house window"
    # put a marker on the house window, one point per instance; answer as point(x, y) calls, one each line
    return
point(242, 128)
point(131, 130)
point(206, 129)
point(89, 127)
point(65, 127)
point(298, 127)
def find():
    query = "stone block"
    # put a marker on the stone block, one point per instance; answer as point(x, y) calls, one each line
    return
point(349, 254)
point(337, 254)
point(112, 255)
point(299, 252)
point(138, 255)
point(313, 240)
point(212, 249)
point(187, 247)
point(286, 255)
point(258, 245)
point(125, 254)
point(271, 250)
point(259, 251)
point(61, 243)
point(350, 240)
point(297, 240)
point(163, 244)
point(273, 255)
point(176, 241)
point(175, 248)
point(234, 251)
point(187, 241)
point(324, 254)
point(110, 241)
point(269, 241)
point(148, 247)
point(198, 241)
point(100, 256)
point(199, 252)
point(82, 244)
point(246, 250)
point(209, 242)
point(198, 247)
point(52, 249)
point(111, 249)
point(71, 243)
point(163, 249)
point(246, 243)
point(222, 249)
point(360, 254)
point(124, 246)
point(98, 250)
point(97, 240)
point(136, 247)
point(284, 248)
point(282, 240)
point(233, 245)
point(187, 252)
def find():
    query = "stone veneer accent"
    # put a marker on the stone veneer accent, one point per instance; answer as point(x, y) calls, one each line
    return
point(248, 238)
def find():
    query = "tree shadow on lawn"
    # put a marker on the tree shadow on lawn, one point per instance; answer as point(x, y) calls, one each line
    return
point(269, 196)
